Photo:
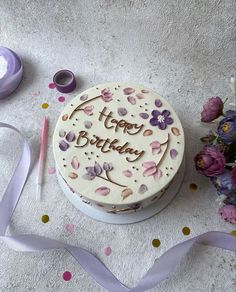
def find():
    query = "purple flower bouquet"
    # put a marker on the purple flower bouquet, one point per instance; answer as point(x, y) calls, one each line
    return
point(217, 159)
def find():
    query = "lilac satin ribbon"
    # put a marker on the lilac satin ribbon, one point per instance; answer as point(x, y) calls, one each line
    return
point(14, 72)
point(161, 269)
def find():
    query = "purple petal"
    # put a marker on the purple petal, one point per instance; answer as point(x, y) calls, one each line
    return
point(90, 170)
point(84, 97)
point(70, 137)
point(63, 145)
point(142, 189)
point(97, 168)
point(173, 153)
point(165, 113)
point(131, 100)
point(88, 176)
point(154, 122)
point(128, 90)
point(103, 191)
point(127, 173)
point(168, 121)
point(155, 113)
point(162, 125)
point(158, 103)
point(88, 124)
point(122, 111)
point(107, 166)
point(144, 115)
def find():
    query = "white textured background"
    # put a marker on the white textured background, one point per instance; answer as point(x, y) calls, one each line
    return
point(185, 50)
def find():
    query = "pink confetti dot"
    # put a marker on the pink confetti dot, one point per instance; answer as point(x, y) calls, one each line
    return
point(51, 85)
point(70, 228)
point(67, 276)
point(51, 170)
point(107, 251)
point(61, 98)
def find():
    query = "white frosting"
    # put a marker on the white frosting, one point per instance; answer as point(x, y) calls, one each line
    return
point(3, 66)
point(127, 182)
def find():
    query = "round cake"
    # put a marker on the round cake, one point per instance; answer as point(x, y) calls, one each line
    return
point(118, 147)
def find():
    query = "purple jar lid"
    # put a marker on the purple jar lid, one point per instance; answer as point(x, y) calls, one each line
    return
point(11, 71)
point(64, 81)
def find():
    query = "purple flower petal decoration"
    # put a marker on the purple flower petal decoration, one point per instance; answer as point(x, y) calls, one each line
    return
point(103, 191)
point(90, 170)
point(122, 111)
point(84, 97)
point(75, 162)
point(88, 176)
point(144, 91)
point(70, 137)
point(127, 173)
point(173, 153)
point(131, 100)
point(144, 115)
point(128, 90)
point(107, 166)
point(140, 96)
point(62, 133)
point(88, 124)
point(142, 189)
point(97, 168)
point(158, 103)
point(63, 145)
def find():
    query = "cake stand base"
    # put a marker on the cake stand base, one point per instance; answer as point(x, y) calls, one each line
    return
point(128, 218)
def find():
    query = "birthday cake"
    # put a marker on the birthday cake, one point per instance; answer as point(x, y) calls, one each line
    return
point(118, 147)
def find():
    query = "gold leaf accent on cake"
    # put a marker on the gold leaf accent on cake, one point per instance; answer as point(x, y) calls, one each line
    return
point(73, 175)
point(147, 132)
point(64, 117)
point(126, 193)
point(175, 131)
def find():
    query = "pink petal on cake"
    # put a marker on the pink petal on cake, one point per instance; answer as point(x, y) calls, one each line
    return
point(156, 151)
point(140, 95)
point(103, 191)
point(127, 173)
point(173, 153)
point(126, 193)
point(75, 162)
point(175, 131)
point(149, 164)
point(150, 171)
point(107, 251)
point(144, 115)
point(84, 97)
point(131, 100)
point(155, 144)
point(73, 175)
point(88, 110)
point(70, 137)
point(64, 117)
point(144, 91)
point(157, 175)
point(128, 90)
point(63, 145)
point(142, 189)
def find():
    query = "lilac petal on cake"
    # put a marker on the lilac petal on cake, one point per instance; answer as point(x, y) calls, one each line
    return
point(88, 124)
point(97, 168)
point(84, 97)
point(90, 170)
point(70, 137)
point(107, 166)
point(126, 193)
point(127, 173)
point(175, 131)
point(103, 191)
point(144, 115)
point(122, 111)
point(158, 103)
point(75, 162)
point(128, 90)
point(150, 171)
point(131, 100)
point(168, 121)
point(140, 95)
point(149, 164)
point(88, 176)
point(142, 189)
point(62, 133)
point(63, 145)
point(157, 175)
point(173, 153)
point(144, 91)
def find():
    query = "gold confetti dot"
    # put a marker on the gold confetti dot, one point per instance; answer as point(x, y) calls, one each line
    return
point(156, 242)
point(233, 232)
point(45, 218)
point(45, 105)
point(186, 230)
point(193, 187)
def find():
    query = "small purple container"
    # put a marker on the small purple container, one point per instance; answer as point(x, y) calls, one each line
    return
point(64, 81)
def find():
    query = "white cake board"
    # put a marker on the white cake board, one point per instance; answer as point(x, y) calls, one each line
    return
point(128, 218)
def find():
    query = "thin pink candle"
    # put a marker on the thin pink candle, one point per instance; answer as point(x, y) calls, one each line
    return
point(42, 155)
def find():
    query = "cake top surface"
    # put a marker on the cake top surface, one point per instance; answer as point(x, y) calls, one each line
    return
point(118, 143)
